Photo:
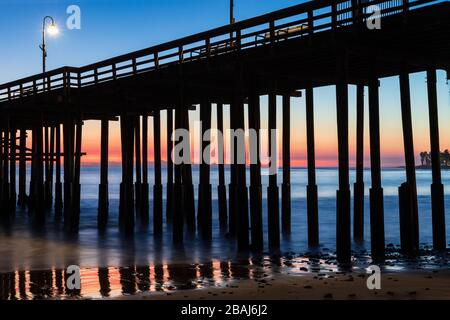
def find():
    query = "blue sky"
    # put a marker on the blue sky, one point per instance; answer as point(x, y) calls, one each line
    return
point(115, 27)
point(109, 27)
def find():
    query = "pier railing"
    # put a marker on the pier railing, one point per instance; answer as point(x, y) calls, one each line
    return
point(297, 21)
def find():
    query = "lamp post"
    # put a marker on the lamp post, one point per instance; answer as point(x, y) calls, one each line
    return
point(232, 20)
point(52, 30)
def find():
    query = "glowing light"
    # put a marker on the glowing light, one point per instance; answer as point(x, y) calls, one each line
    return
point(53, 30)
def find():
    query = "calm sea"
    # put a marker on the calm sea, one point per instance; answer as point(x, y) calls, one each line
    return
point(25, 249)
point(23, 246)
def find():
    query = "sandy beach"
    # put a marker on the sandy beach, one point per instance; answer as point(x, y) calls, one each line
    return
point(420, 285)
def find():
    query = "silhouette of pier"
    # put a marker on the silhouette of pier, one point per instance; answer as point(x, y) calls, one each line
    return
point(318, 43)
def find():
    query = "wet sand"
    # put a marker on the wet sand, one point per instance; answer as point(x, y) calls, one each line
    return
point(422, 285)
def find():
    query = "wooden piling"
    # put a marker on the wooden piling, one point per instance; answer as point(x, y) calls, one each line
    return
point(343, 234)
point(157, 188)
point(58, 184)
point(376, 192)
point(358, 200)
point(1, 168)
point(169, 196)
point(12, 171)
point(47, 185)
point(311, 189)
point(204, 215)
point(178, 188)
point(242, 230)
point(22, 197)
point(221, 188)
point(144, 210)
point(31, 196)
point(126, 211)
point(68, 138)
point(256, 219)
point(103, 197)
point(75, 221)
point(51, 165)
point(286, 186)
point(39, 181)
point(138, 168)
point(408, 203)
point(437, 188)
point(5, 185)
point(232, 187)
point(188, 186)
point(272, 190)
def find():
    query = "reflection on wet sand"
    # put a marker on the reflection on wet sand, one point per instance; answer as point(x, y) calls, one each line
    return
point(162, 277)
point(114, 282)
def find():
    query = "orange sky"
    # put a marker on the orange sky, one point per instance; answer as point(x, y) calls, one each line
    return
point(325, 126)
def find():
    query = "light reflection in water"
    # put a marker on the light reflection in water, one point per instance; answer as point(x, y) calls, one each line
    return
point(113, 282)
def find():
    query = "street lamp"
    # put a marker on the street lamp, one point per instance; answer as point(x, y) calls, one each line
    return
point(232, 20)
point(53, 31)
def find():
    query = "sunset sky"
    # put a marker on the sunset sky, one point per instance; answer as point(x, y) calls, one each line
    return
point(115, 27)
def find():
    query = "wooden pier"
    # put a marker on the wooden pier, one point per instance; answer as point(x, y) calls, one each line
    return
point(315, 44)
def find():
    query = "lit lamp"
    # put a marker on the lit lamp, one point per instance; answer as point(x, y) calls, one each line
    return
point(52, 30)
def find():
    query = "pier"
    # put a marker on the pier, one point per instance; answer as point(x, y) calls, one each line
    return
point(279, 54)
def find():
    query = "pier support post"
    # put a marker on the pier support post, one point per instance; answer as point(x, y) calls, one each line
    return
point(138, 169)
point(126, 210)
point(4, 201)
point(221, 188)
point(157, 189)
point(58, 184)
point(31, 196)
point(39, 181)
point(256, 219)
point(343, 234)
point(75, 222)
point(12, 173)
point(52, 164)
point(103, 194)
point(189, 196)
point(272, 190)
point(169, 197)
point(232, 187)
point(286, 187)
point(243, 241)
point(178, 188)
point(409, 221)
point(144, 210)
point(22, 197)
point(46, 168)
point(1, 168)
point(376, 192)
point(437, 189)
point(358, 200)
point(311, 189)
point(68, 137)
point(204, 216)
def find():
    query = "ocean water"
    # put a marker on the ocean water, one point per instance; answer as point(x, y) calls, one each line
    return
point(22, 246)
point(29, 255)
